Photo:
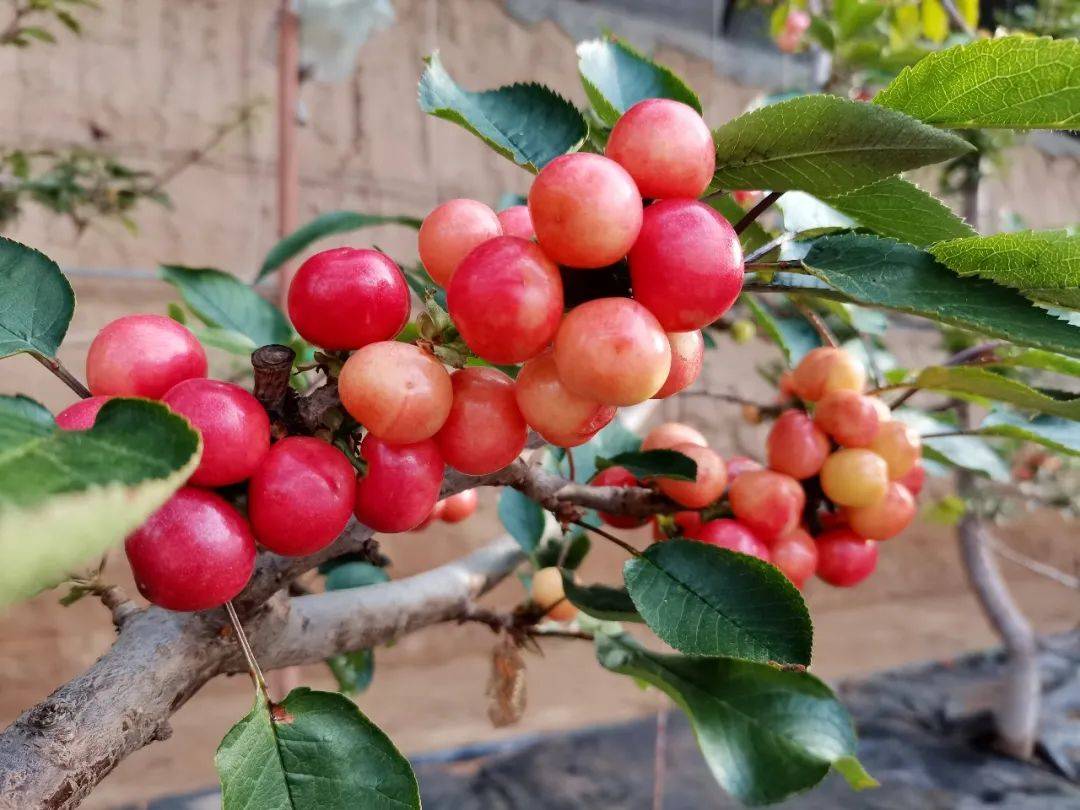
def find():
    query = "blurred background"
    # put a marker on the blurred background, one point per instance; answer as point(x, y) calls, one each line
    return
point(150, 136)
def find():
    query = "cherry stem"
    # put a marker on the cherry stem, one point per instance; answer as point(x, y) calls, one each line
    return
point(816, 321)
point(249, 655)
point(570, 463)
point(764, 205)
point(608, 536)
point(57, 368)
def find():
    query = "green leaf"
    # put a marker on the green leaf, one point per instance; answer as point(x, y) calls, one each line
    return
point(853, 16)
point(825, 145)
point(37, 301)
point(795, 337)
point(1012, 82)
point(966, 452)
point(900, 209)
point(353, 671)
point(355, 574)
point(528, 123)
point(884, 273)
point(611, 441)
point(317, 750)
point(567, 551)
point(522, 517)
point(224, 301)
point(322, 226)
point(709, 601)
point(653, 464)
point(225, 339)
point(616, 77)
point(1062, 435)
point(67, 496)
point(766, 733)
point(1043, 265)
point(980, 382)
point(1035, 358)
point(600, 601)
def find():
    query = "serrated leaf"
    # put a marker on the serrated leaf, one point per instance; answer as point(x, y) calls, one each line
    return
point(528, 123)
point(522, 517)
point(1013, 82)
point(67, 496)
point(825, 145)
point(222, 300)
point(600, 601)
point(967, 452)
point(317, 750)
point(1043, 265)
point(322, 226)
point(981, 382)
point(1035, 358)
point(616, 77)
point(1062, 435)
point(900, 209)
point(880, 272)
point(709, 601)
point(36, 303)
point(766, 733)
point(653, 464)
point(794, 336)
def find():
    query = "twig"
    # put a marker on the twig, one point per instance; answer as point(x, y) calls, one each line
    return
point(608, 536)
point(958, 18)
point(981, 353)
point(772, 244)
point(945, 434)
point(1035, 566)
point(763, 205)
point(788, 265)
point(819, 292)
point(57, 368)
point(249, 655)
point(544, 632)
point(570, 463)
point(816, 321)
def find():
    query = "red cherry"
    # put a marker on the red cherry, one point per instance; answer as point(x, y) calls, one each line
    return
point(81, 415)
point(506, 299)
point(142, 356)
point(485, 431)
point(234, 427)
point(796, 446)
point(617, 477)
point(768, 502)
point(458, 507)
point(346, 298)
point(516, 221)
point(196, 552)
point(732, 534)
point(687, 524)
point(669, 434)
point(666, 146)
point(686, 267)
point(301, 496)
point(885, 518)
point(435, 514)
point(586, 210)
point(559, 415)
point(737, 465)
point(707, 486)
point(849, 417)
point(687, 357)
point(913, 479)
point(844, 558)
point(796, 555)
point(401, 486)
point(450, 231)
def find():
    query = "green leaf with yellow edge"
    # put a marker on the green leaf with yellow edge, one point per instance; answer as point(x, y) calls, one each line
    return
point(980, 382)
point(36, 303)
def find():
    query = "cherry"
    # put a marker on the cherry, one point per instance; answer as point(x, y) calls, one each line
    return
point(617, 477)
point(786, 385)
point(666, 146)
point(548, 594)
point(516, 221)
point(732, 534)
point(559, 415)
point(506, 299)
point(686, 267)
point(398, 391)
point(586, 210)
point(450, 231)
point(687, 357)
point(346, 298)
point(827, 369)
point(458, 507)
point(194, 553)
point(796, 555)
point(612, 350)
point(142, 356)
point(687, 524)
point(796, 446)
point(81, 415)
point(844, 558)
point(436, 513)
point(669, 434)
point(234, 427)
point(769, 503)
point(849, 417)
point(708, 484)
point(899, 445)
point(485, 431)
point(401, 486)
point(886, 518)
point(914, 479)
point(737, 465)
point(301, 496)
point(854, 477)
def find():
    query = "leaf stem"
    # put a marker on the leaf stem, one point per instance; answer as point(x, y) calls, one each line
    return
point(819, 292)
point(764, 205)
point(249, 655)
point(57, 368)
point(816, 321)
point(608, 536)
point(772, 244)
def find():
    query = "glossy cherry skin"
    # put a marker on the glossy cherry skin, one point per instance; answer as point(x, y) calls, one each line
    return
point(450, 231)
point(346, 298)
point(234, 427)
point(732, 534)
point(844, 558)
point(687, 524)
point(687, 357)
point(485, 431)
point(686, 266)
point(769, 503)
point(617, 477)
point(854, 477)
point(548, 594)
point(81, 415)
point(613, 351)
point(709, 483)
point(301, 496)
point(737, 465)
point(401, 486)
point(560, 416)
point(914, 479)
point(851, 418)
point(887, 517)
point(667, 435)
point(435, 514)
point(195, 553)
point(827, 369)
point(516, 221)
point(458, 507)
point(666, 146)
point(899, 445)
point(796, 446)
point(398, 391)
point(586, 210)
point(796, 555)
point(506, 299)
point(142, 356)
